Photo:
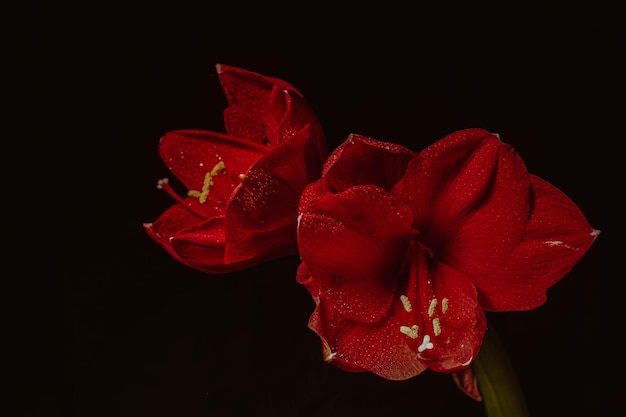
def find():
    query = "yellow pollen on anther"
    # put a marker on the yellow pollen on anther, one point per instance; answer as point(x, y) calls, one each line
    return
point(436, 326)
point(406, 303)
point(444, 305)
point(208, 182)
point(220, 167)
point(412, 331)
point(431, 308)
point(242, 176)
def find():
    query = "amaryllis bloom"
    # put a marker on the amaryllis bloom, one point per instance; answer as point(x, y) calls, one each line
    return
point(403, 252)
point(243, 186)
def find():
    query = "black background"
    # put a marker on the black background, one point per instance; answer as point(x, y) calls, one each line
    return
point(112, 326)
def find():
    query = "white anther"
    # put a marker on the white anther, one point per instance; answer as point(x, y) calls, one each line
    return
point(426, 344)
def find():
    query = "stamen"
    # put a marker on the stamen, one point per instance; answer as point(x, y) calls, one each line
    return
point(436, 326)
point(426, 344)
point(444, 305)
point(219, 168)
point(412, 331)
point(242, 176)
point(406, 303)
point(208, 182)
point(431, 308)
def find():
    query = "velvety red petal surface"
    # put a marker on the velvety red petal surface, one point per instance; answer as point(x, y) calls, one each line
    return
point(162, 230)
point(364, 161)
point(190, 240)
point(377, 347)
point(470, 194)
point(466, 381)
point(296, 114)
point(354, 243)
point(256, 104)
point(202, 247)
point(557, 237)
point(557, 217)
point(176, 218)
point(355, 346)
point(191, 154)
point(262, 215)
point(304, 277)
point(312, 193)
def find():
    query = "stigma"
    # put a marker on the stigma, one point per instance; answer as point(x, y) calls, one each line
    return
point(426, 344)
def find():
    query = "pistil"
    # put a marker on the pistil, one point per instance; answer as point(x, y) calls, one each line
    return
point(163, 184)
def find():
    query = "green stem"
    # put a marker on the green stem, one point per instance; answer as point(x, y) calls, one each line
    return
point(497, 381)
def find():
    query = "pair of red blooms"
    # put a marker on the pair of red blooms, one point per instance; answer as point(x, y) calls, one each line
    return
point(402, 251)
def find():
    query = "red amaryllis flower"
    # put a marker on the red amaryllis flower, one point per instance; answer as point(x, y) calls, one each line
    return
point(244, 186)
point(404, 252)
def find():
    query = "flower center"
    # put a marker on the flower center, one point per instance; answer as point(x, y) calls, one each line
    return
point(430, 254)
point(422, 307)
point(202, 195)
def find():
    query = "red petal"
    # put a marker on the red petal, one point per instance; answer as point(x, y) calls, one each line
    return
point(258, 104)
point(557, 218)
point(355, 346)
point(191, 154)
point(466, 381)
point(167, 225)
point(557, 237)
point(177, 218)
point(262, 216)
point(175, 230)
point(304, 277)
point(353, 243)
point(202, 247)
point(174, 219)
point(298, 116)
point(471, 197)
point(364, 161)
point(310, 194)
